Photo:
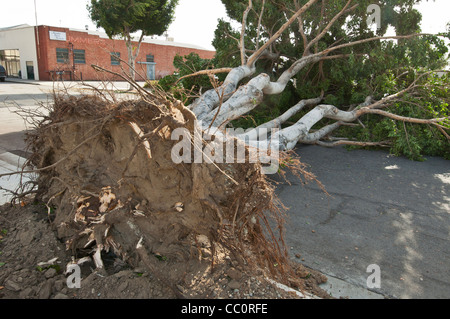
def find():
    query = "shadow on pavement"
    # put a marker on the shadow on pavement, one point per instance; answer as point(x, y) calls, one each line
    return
point(383, 210)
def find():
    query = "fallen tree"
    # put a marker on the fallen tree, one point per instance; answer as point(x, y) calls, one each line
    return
point(107, 177)
point(108, 168)
point(231, 100)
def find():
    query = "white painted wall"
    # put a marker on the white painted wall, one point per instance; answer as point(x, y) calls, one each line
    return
point(23, 39)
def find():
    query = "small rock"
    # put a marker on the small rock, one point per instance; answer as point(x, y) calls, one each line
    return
point(12, 286)
point(46, 290)
point(139, 270)
point(234, 284)
point(234, 274)
point(50, 273)
point(123, 273)
point(60, 284)
point(25, 237)
point(123, 286)
point(26, 293)
point(297, 255)
point(61, 296)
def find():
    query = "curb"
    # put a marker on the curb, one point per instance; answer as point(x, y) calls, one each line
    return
point(10, 163)
point(339, 288)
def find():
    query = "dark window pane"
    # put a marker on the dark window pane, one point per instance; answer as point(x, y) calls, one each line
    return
point(79, 56)
point(62, 55)
point(115, 58)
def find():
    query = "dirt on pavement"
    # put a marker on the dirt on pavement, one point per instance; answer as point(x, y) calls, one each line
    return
point(108, 193)
point(27, 239)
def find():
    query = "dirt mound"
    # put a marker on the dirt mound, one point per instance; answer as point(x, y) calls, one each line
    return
point(27, 239)
point(143, 225)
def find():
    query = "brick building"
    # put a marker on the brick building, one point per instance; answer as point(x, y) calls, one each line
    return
point(50, 53)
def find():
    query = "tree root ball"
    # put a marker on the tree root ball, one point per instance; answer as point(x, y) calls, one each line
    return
point(105, 170)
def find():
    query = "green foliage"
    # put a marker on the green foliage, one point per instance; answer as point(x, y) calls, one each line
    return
point(124, 17)
point(374, 68)
point(188, 88)
point(408, 139)
point(367, 69)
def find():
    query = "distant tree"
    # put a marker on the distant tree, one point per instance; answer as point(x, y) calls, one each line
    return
point(126, 17)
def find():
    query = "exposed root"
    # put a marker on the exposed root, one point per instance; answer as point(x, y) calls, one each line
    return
point(105, 168)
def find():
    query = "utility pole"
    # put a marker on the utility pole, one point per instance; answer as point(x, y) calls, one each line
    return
point(37, 31)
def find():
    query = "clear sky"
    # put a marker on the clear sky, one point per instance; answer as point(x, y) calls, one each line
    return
point(195, 20)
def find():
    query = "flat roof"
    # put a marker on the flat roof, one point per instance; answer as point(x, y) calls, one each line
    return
point(147, 39)
point(14, 27)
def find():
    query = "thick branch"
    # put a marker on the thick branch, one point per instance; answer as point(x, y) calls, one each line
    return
point(276, 123)
point(349, 44)
point(205, 72)
point(242, 40)
point(252, 60)
point(318, 135)
point(283, 80)
point(210, 99)
point(243, 101)
point(368, 110)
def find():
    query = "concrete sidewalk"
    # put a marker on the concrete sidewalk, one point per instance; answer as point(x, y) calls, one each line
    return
point(116, 85)
point(9, 163)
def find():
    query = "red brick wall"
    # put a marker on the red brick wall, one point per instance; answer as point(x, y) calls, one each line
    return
point(97, 51)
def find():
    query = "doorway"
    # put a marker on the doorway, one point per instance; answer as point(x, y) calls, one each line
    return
point(151, 71)
point(30, 70)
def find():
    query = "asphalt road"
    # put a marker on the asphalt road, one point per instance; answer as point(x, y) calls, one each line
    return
point(382, 210)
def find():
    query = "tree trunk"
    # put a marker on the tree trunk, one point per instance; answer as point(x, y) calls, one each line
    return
point(133, 54)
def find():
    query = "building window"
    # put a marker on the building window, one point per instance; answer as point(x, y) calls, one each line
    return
point(62, 55)
point(79, 56)
point(10, 59)
point(115, 58)
point(150, 58)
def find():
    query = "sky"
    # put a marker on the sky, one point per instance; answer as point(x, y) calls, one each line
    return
point(195, 20)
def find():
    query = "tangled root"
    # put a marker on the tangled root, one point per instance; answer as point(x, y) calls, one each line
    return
point(106, 169)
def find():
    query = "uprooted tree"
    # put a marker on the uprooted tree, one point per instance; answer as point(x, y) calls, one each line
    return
point(318, 69)
point(106, 167)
